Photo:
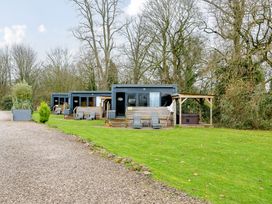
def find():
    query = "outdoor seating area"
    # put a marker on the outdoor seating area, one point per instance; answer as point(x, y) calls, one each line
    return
point(153, 123)
point(153, 117)
point(58, 100)
point(57, 110)
point(88, 113)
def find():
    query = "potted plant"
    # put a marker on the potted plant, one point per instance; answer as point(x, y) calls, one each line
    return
point(22, 102)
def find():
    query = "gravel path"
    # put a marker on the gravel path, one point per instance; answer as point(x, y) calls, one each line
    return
point(41, 165)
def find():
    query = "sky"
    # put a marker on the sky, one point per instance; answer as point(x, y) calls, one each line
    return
point(45, 24)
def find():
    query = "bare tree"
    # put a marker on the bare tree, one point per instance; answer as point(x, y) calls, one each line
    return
point(25, 64)
point(5, 71)
point(245, 28)
point(86, 68)
point(176, 50)
point(60, 74)
point(97, 29)
point(139, 42)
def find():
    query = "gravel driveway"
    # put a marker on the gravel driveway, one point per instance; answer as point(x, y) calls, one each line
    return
point(41, 165)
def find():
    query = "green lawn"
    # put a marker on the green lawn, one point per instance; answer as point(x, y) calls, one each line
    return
point(218, 165)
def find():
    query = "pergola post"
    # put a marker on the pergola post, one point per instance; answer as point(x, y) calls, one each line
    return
point(211, 112)
point(175, 113)
point(88, 102)
point(180, 112)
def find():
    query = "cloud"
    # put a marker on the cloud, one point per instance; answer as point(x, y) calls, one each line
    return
point(134, 7)
point(12, 35)
point(41, 28)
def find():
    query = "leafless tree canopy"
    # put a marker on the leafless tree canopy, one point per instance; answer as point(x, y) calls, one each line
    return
point(97, 29)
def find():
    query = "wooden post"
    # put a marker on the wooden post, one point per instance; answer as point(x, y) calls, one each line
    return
point(108, 108)
point(175, 113)
point(88, 102)
point(180, 112)
point(211, 111)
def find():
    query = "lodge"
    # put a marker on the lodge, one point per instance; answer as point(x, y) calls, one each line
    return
point(58, 99)
point(131, 95)
point(86, 99)
point(125, 101)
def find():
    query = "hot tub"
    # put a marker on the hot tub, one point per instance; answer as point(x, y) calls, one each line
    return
point(190, 118)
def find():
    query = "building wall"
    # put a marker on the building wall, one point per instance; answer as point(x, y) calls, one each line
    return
point(58, 96)
point(138, 90)
point(85, 94)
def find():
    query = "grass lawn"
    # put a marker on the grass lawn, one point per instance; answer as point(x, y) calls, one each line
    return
point(217, 165)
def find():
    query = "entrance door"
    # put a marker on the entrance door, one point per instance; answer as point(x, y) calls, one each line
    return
point(120, 104)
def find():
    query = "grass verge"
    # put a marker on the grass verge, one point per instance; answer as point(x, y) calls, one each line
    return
point(218, 165)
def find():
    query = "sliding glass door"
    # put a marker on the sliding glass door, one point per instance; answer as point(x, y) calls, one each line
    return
point(154, 99)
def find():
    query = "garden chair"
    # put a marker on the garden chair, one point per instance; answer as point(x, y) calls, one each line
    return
point(137, 122)
point(79, 116)
point(155, 121)
point(58, 111)
point(91, 116)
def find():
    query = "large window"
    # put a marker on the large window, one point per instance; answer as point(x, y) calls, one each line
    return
point(166, 100)
point(91, 101)
point(61, 101)
point(143, 99)
point(154, 99)
point(131, 99)
point(83, 101)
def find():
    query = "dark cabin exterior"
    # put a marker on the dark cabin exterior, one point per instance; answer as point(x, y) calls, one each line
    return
point(131, 95)
point(86, 98)
point(58, 99)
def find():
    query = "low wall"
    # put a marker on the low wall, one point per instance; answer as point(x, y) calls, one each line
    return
point(165, 116)
point(88, 110)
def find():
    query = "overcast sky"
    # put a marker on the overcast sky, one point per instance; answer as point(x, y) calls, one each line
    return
point(45, 24)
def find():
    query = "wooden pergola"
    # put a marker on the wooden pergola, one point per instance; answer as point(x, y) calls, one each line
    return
point(181, 98)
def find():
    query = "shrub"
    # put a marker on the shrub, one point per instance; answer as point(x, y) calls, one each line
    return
point(6, 103)
point(44, 112)
point(245, 106)
point(22, 96)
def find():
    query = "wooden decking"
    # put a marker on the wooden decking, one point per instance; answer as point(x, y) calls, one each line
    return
point(166, 118)
point(201, 125)
point(117, 122)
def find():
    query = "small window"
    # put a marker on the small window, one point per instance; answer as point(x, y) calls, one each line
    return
point(132, 99)
point(120, 99)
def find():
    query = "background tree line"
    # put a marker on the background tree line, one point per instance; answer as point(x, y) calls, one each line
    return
point(218, 47)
